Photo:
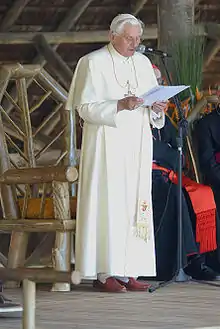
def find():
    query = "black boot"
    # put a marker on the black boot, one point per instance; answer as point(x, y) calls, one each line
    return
point(198, 270)
point(212, 260)
point(8, 309)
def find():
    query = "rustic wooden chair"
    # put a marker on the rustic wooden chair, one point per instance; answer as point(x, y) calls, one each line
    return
point(35, 181)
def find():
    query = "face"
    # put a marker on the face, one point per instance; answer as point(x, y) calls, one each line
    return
point(127, 41)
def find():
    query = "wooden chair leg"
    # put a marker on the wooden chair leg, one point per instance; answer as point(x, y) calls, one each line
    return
point(61, 258)
point(61, 252)
point(29, 304)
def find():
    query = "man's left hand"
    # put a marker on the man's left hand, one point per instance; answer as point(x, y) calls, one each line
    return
point(158, 107)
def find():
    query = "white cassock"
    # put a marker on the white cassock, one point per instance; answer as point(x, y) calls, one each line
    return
point(114, 233)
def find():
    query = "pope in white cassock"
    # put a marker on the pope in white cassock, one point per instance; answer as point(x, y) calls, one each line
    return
point(114, 233)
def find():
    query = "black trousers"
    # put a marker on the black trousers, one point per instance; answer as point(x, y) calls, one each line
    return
point(165, 214)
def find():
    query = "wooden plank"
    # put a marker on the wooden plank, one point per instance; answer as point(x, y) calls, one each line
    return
point(138, 7)
point(12, 14)
point(39, 175)
point(51, 84)
point(37, 225)
point(35, 274)
point(74, 14)
point(23, 71)
point(211, 50)
point(26, 121)
point(66, 37)
point(150, 33)
point(59, 68)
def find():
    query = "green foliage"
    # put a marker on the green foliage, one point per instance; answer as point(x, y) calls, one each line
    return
point(186, 65)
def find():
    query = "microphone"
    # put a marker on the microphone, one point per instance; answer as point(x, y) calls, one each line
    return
point(145, 50)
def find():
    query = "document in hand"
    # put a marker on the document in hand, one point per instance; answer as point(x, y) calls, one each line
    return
point(161, 93)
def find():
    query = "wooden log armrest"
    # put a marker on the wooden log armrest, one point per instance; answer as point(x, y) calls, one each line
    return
point(37, 225)
point(44, 275)
point(39, 175)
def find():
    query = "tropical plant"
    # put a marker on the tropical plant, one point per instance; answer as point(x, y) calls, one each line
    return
point(186, 65)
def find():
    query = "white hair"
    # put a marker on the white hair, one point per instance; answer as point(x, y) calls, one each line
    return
point(119, 22)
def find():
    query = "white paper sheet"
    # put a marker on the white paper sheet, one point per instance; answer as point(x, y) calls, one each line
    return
point(161, 93)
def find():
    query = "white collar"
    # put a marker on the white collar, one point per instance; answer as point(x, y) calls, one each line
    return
point(117, 55)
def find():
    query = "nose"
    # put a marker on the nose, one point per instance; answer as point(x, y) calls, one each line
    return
point(136, 42)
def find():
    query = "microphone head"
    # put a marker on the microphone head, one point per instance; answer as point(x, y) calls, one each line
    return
point(141, 49)
point(145, 50)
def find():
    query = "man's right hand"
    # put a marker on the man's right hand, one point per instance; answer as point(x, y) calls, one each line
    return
point(129, 103)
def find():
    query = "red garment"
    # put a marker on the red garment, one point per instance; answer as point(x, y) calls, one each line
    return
point(204, 206)
point(217, 157)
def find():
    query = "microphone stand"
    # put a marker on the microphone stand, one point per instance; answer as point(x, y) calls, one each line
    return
point(180, 275)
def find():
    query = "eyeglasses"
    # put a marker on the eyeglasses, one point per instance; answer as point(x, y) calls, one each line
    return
point(130, 40)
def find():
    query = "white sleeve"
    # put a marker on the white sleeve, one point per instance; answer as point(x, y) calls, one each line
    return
point(84, 95)
point(157, 119)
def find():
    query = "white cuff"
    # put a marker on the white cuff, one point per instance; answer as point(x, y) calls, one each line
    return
point(155, 115)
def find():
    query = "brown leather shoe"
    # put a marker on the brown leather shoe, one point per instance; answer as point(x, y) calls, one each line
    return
point(110, 285)
point(134, 285)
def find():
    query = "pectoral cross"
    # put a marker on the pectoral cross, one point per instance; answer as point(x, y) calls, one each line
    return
point(129, 93)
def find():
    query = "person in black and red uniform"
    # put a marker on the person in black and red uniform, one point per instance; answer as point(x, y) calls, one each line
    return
point(165, 210)
point(207, 137)
point(199, 217)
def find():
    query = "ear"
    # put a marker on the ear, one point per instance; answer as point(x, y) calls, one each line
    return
point(111, 36)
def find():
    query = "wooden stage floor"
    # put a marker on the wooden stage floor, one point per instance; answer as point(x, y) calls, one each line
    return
point(180, 305)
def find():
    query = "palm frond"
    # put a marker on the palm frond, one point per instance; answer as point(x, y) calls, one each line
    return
point(186, 66)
